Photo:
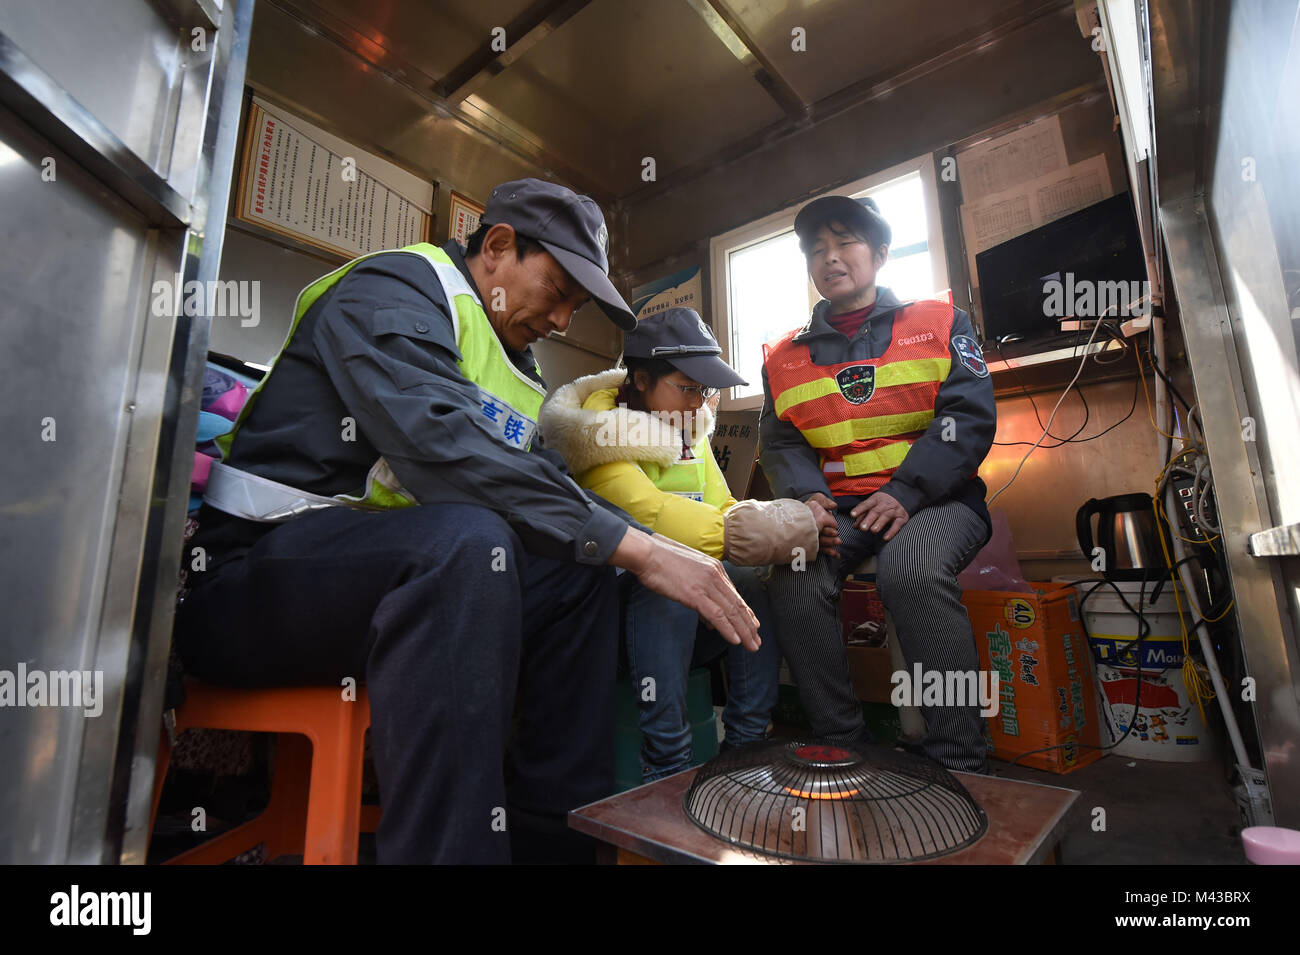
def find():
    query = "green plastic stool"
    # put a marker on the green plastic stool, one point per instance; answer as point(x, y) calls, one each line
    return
point(627, 732)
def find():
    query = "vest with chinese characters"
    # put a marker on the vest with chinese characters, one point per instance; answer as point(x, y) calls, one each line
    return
point(509, 400)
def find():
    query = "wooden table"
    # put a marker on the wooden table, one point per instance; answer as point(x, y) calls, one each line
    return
point(647, 825)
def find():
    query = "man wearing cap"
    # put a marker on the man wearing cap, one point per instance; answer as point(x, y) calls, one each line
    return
point(639, 437)
point(880, 412)
point(385, 514)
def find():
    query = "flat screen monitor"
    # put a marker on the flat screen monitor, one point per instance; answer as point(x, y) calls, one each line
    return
point(1098, 244)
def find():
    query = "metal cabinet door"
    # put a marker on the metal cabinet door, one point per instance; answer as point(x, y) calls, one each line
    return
point(1227, 142)
point(116, 149)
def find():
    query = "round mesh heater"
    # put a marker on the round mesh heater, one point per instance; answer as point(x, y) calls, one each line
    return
point(809, 800)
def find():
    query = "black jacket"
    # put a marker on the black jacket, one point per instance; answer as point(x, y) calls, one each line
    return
point(358, 354)
point(934, 470)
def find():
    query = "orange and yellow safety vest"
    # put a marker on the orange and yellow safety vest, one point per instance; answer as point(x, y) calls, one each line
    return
point(862, 416)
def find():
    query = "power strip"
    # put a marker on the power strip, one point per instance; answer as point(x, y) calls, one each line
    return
point(1183, 489)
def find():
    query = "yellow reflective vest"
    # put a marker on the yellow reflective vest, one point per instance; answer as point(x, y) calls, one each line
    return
point(510, 399)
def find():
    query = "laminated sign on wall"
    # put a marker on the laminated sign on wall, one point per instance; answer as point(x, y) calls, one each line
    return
point(300, 181)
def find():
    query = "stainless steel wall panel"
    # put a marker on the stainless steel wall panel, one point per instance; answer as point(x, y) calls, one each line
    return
point(90, 514)
point(125, 836)
point(1223, 80)
point(619, 82)
point(73, 275)
point(52, 112)
point(434, 37)
point(120, 60)
point(846, 39)
point(1256, 213)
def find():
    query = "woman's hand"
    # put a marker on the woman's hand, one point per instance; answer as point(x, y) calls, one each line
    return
point(877, 512)
point(823, 512)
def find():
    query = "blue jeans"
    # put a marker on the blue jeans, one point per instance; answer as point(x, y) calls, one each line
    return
point(665, 640)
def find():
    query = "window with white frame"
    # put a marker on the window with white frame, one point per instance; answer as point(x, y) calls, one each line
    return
point(761, 286)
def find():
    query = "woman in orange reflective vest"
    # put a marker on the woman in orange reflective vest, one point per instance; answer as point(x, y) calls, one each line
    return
point(880, 412)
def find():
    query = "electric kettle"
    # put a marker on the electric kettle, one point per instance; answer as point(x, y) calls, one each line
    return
point(1126, 532)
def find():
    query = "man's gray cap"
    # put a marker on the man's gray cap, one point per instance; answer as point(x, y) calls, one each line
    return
point(571, 228)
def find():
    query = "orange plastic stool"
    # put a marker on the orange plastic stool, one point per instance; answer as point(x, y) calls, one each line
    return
point(315, 809)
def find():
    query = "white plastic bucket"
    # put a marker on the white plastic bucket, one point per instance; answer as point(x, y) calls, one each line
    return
point(1168, 725)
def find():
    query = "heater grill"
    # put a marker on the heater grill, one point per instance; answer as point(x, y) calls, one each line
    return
point(810, 800)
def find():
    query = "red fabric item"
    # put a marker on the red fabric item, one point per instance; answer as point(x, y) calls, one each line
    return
point(849, 323)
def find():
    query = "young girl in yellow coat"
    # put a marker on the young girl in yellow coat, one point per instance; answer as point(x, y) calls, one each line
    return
point(639, 437)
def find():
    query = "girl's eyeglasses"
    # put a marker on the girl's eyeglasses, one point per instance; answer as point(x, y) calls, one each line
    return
point(704, 393)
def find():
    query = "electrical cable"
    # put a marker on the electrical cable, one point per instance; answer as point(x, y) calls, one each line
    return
point(1151, 415)
point(1050, 418)
point(1173, 389)
point(1092, 437)
point(1193, 679)
point(1117, 336)
point(1087, 411)
point(1037, 416)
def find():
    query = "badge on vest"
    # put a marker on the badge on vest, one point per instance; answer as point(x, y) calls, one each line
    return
point(969, 354)
point(857, 383)
point(511, 426)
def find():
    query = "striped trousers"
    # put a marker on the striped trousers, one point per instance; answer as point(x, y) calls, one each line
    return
point(917, 579)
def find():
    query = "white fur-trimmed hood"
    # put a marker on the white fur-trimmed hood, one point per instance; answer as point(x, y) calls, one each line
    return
point(588, 438)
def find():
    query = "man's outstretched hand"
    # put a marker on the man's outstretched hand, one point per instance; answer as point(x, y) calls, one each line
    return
point(693, 579)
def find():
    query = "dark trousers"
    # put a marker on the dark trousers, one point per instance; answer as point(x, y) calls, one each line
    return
point(455, 629)
point(916, 575)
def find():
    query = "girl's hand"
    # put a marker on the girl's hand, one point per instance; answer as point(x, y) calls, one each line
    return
point(828, 530)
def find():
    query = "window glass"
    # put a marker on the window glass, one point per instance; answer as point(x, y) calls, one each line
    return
point(769, 290)
point(769, 297)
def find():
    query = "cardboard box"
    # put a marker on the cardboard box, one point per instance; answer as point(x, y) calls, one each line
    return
point(1047, 696)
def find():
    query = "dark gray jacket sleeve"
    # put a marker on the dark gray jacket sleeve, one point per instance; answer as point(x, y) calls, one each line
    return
point(557, 461)
point(964, 411)
point(792, 466)
point(386, 340)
